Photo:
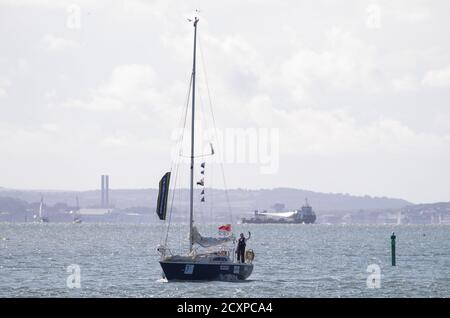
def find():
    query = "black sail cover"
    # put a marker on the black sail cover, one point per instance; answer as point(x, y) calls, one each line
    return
point(163, 194)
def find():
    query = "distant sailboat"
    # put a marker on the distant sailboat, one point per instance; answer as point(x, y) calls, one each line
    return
point(40, 217)
point(216, 264)
point(76, 213)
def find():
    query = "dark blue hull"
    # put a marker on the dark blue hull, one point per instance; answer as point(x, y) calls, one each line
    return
point(191, 271)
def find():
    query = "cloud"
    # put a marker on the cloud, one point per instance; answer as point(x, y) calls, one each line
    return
point(127, 84)
point(53, 4)
point(53, 43)
point(336, 91)
point(287, 94)
point(345, 63)
point(130, 83)
point(124, 141)
point(131, 87)
point(408, 11)
point(438, 78)
point(130, 107)
point(96, 103)
point(406, 83)
point(23, 141)
point(50, 127)
point(331, 133)
point(154, 7)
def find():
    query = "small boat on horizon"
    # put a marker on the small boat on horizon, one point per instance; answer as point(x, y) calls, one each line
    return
point(40, 218)
point(76, 213)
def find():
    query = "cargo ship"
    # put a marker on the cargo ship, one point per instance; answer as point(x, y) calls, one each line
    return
point(305, 215)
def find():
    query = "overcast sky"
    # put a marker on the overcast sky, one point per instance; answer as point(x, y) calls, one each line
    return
point(354, 95)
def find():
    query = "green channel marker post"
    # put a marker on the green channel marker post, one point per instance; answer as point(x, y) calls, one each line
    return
point(393, 248)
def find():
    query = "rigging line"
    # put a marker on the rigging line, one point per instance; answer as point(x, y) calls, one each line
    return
point(205, 216)
point(212, 194)
point(202, 214)
point(185, 117)
point(177, 164)
point(170, 211)
point(179, 142)
point(171, 204)
point(204, 119)
point(215, 131)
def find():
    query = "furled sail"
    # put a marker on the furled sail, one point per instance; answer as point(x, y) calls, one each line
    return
point(163, 194)
point(203, 241)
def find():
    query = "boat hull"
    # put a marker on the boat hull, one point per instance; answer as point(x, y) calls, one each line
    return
point(192, 271)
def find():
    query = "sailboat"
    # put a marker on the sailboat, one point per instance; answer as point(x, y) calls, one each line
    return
point(76, 215)
point(198, 265)
point(40, 217)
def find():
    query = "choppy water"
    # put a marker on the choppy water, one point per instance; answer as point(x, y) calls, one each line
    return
point(291, 261)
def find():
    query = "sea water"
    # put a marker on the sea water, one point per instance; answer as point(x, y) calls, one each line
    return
point(120, 260)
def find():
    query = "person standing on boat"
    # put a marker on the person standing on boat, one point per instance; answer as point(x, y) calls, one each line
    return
point(241, 247)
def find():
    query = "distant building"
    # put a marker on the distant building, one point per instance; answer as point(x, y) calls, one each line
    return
point(105, 191)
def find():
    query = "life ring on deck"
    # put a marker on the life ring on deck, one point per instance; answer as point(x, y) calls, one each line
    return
point(249, 256)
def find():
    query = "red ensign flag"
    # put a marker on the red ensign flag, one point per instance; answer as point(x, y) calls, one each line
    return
point(225, 227)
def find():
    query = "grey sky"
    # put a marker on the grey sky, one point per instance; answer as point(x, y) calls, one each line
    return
point(359, 91)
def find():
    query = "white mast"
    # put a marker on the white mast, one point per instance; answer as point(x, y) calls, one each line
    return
point(191, 207)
